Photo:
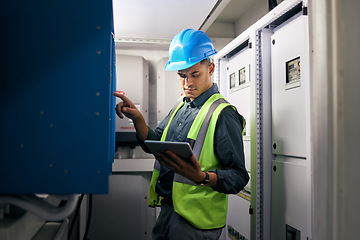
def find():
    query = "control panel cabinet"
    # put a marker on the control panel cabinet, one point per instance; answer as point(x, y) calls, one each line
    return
point(291, 167)
point(235, 85)
point(238, 92)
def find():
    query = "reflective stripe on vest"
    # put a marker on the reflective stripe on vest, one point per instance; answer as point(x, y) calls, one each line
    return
point(200, 140)
point(204, 127)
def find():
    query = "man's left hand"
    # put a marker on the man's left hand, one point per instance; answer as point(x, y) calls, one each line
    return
point(189, 168)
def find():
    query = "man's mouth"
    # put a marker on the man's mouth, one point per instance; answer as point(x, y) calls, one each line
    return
point(190, 89)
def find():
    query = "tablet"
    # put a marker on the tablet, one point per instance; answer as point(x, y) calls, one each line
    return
point(182, 149)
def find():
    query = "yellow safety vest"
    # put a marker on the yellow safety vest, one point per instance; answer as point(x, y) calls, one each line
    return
point(200, 205)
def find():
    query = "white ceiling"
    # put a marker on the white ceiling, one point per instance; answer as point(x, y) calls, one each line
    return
point(158, 19)
point(234, 10)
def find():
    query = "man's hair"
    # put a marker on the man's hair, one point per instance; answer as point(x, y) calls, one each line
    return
point(206, 61)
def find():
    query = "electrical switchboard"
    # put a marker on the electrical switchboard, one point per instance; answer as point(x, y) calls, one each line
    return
point(291, 188)
point(236, 87)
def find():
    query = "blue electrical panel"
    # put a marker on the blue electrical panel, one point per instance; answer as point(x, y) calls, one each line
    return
point(57, 78)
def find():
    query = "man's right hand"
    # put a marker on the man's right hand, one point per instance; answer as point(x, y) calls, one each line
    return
point(126, 107)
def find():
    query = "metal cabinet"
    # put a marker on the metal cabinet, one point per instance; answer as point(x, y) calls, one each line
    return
point(291, 187)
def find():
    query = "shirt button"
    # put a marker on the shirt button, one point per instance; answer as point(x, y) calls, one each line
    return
point(179, 124)
point(158, 181)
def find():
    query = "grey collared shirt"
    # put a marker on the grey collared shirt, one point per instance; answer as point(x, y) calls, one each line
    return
point(228, 144)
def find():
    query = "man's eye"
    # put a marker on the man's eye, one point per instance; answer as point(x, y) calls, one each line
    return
point(182, 75)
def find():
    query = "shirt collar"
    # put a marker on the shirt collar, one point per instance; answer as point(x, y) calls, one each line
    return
point(200, 100)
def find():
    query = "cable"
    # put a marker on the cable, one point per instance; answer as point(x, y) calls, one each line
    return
point(89, 217)
point(76, 214)
point(61, 232)
point(40, 207)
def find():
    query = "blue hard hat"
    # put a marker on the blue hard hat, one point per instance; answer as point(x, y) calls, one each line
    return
point(188, 48)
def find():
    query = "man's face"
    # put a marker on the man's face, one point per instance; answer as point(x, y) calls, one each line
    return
point(196, 79)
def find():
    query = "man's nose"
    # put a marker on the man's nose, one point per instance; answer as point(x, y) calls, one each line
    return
point(188, 81)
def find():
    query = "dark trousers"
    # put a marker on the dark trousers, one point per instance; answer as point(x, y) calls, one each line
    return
point(171, 226)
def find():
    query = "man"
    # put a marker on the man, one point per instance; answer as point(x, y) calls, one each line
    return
point(193, 193)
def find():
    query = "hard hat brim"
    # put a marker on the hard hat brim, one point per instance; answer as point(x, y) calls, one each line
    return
point(176, 66)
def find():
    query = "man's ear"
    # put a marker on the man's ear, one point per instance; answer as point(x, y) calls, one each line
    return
point(211, 69)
